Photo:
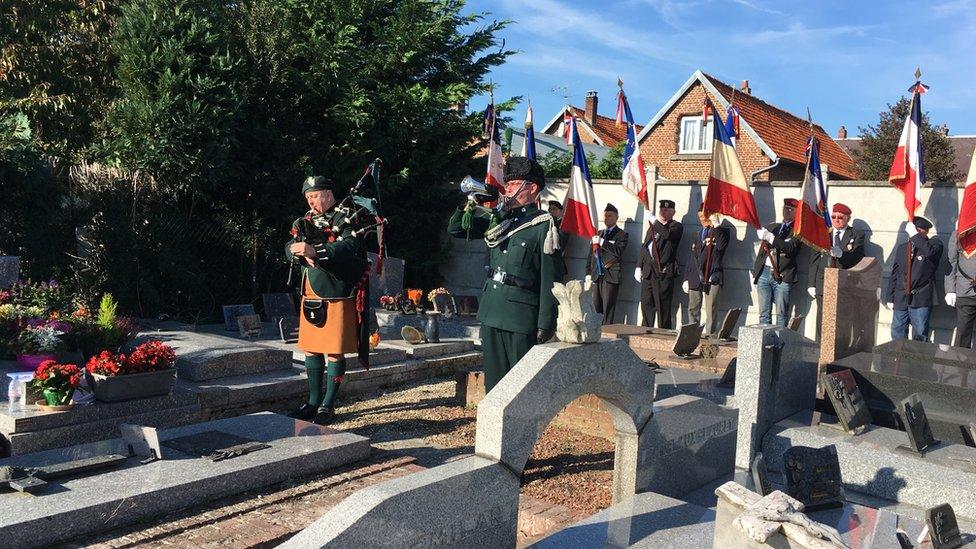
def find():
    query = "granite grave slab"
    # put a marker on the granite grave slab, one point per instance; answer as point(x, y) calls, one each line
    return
point(204, 356)
point(9, 270)
point(849, 312)
point(114, 498)
point(468, 503)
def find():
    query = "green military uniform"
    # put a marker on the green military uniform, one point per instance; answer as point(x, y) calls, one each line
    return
point(517, 303)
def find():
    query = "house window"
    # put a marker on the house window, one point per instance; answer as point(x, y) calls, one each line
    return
point(695, 136)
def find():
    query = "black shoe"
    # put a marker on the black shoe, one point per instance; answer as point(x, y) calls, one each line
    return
point(305, 413)
point(324, 415)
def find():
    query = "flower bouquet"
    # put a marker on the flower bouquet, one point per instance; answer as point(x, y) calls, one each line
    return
point(37, 342)
point(147, 371)
point(57, 382)
point(391, 302)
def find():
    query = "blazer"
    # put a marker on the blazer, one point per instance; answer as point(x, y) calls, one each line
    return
point(852, 252)
point(611, 253)
point(926, 255)
point(785, 248)
point(961, 278)
point(718, 240)
point(668, 237)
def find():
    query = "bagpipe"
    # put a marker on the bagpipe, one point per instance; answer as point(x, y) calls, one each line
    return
point(359, 213)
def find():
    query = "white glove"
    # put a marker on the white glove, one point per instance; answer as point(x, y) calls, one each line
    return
point(812, 291)
point(657, 236)
point(910, 229)
point(684, 286)
point(601, 241)
point(637, 274)
point(595, 239)
point(950, 299)
point(889, 305)
point(761, 233)
point(769, 237)
point(836, 252)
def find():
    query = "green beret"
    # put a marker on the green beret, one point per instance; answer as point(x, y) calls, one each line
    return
point(523, 169)
point(316, 183)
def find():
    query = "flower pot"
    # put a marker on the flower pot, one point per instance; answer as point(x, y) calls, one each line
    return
point(46, 408)
point(58, 398)
point(132, 386)
point(29, 363)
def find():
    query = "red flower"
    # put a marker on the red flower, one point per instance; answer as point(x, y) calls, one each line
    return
point(49, 374)
point(106, 364)
point(294, 231)
point(151, 356)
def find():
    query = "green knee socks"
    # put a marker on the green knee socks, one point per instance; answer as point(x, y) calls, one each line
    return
point(337, 369)
point(314, 368)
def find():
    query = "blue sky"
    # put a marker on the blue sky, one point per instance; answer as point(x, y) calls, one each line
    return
point(844, 60)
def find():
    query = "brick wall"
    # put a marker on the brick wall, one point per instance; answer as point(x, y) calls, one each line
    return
point(660, 146)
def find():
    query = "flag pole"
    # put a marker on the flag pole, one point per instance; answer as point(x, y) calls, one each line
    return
point(909, 252)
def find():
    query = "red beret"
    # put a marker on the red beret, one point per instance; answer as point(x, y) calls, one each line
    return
point(791, 202)
point(841, 208)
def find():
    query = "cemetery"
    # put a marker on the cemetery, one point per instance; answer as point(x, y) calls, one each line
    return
point(299, 275)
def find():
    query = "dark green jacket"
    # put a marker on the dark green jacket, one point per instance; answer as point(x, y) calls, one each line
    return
point(338, 265)
point(513, 308)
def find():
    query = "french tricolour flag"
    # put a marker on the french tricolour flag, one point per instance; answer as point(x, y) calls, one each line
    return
point(495, 173)
point(581, 216)
point(811, 222)
point(634, 176)
point(966, 227)
point(728, 192)
point(907, 168)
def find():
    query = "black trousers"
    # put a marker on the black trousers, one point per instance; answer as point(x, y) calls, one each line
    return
point(965, 320)
point(663, 289)
point(605, 299)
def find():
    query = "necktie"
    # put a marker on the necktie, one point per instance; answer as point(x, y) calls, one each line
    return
point(837, 238)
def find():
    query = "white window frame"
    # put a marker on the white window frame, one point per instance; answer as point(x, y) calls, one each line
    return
point(700, 140)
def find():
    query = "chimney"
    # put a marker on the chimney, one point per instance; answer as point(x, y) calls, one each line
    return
point(842, 133)
point(944, 130)
point(589, 112)
point(744, 88)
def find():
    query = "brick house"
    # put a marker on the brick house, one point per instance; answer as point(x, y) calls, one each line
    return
point(962, 148)
point(594, 129)
point(771, 144)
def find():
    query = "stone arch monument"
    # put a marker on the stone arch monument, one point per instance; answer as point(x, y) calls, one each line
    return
point(473, 502)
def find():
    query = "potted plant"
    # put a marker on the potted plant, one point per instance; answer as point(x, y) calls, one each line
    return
point(147, 371)
point(36, 344)
point(57, 382)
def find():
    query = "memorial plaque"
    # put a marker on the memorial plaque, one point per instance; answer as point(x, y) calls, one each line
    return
point(231, 312)
point(760, 475)
point(943, 528)
point(288, 329)
point(444, 304)
point(688, 339)
point(278, 306)
point(214, 445)
point(466, 304)
point(813, 476)
point(249, 325)
point(728, 325)
point(971, 431)
point(141, 441)
point(849, 405)
point(916, 424)
point(9, 270)
point(795, 322)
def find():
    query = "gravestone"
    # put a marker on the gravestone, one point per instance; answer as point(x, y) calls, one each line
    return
point(141, 441)
point(288, 329)
point(776, 377)
point(278, 306)
point(390, 282)
point(849, 405)
point(849, 312)
point(249, 326)
point(9, 270)
point(444, 304)
point(728, 325)
point(943, 527)
point(687, 340)
point(231, 312)
point(813, 476)
point(916, 424)
point(760, 475)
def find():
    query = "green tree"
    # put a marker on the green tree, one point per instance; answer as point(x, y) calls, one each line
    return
point(878, 144)
point(559, 164)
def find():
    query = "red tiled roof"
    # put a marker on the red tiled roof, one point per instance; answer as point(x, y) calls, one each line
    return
point(962, 151)
point(786, 133)
point(606, 128)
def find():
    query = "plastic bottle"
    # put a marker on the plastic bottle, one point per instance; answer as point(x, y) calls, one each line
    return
point(14, 395)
